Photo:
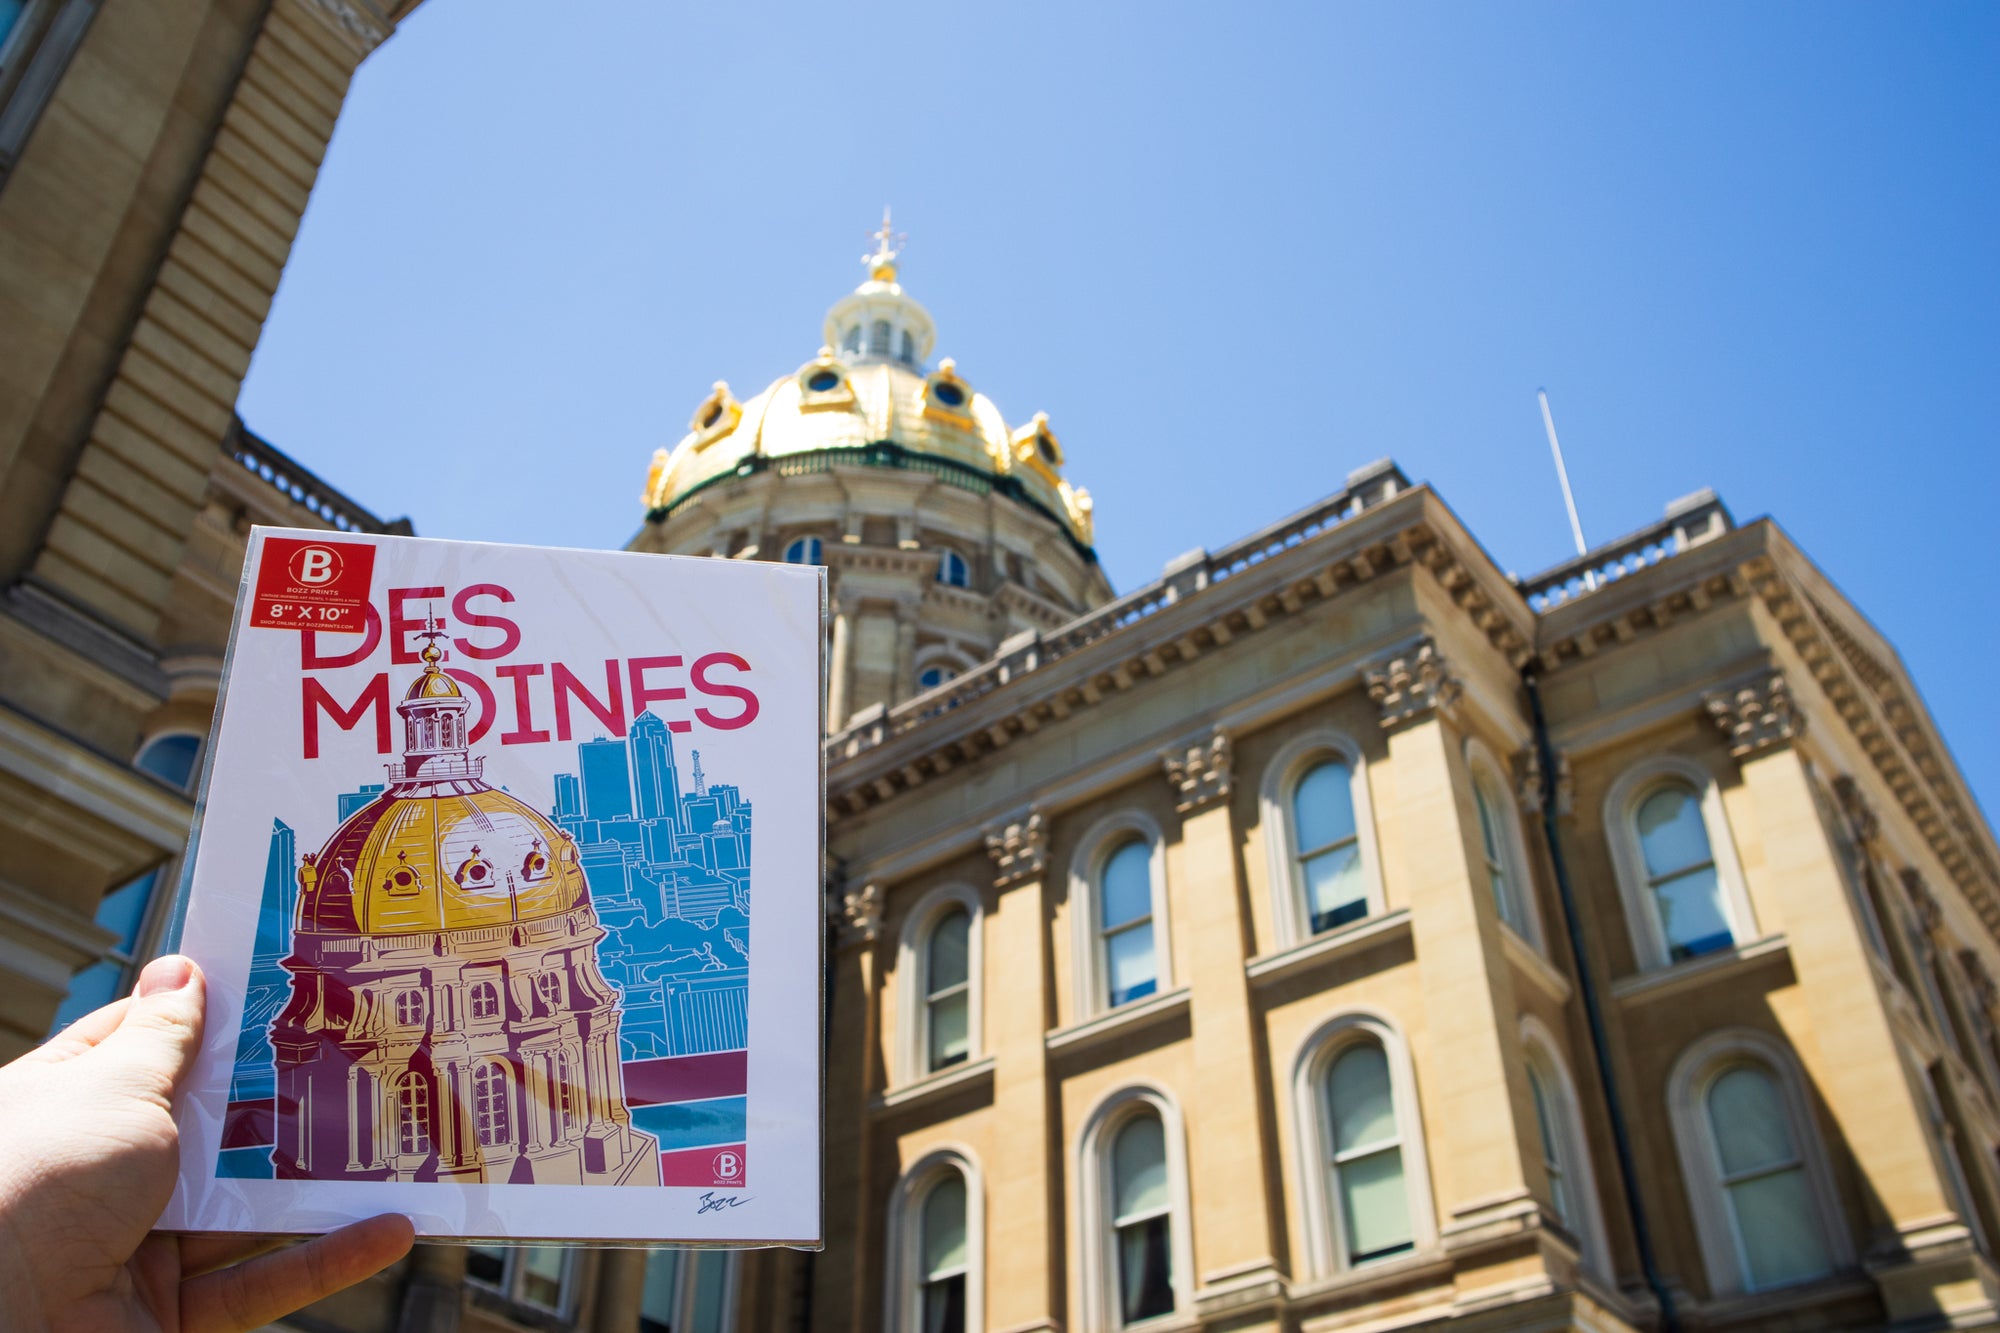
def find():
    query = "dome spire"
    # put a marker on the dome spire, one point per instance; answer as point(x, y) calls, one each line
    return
point(889, 243)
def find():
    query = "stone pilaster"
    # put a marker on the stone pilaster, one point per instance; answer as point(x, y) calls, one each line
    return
point(840, 666)
point(1528, 775)
point(1024, 1230)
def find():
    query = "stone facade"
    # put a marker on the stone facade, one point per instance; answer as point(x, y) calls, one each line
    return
point(1618, 860)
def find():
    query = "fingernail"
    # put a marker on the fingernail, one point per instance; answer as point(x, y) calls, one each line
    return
point(165, 974)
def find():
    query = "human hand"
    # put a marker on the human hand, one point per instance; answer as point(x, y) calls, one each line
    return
point(88, 1157)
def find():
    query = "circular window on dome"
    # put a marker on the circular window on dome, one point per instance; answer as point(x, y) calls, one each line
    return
point(823, 381)
point(949, 394)
point(716, 415)
point(1045, 445)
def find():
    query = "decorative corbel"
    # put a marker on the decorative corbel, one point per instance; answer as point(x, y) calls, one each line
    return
point(1922, 898)
point(1200, 772)
point(1412, 682)
point(1756, 717)
point(1528, 771)
point(1861, 817)
point(1020, 849)
point(860, 915)
point(1981, 982)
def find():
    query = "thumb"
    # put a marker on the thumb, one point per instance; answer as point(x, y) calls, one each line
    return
point(162, 1027)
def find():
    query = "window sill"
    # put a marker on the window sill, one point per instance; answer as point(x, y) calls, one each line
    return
point(1350, 1284)
point(1325, 948)
point(1528, 960)
point(1661, 982)
point(1118, 1022)
point(934, 1085)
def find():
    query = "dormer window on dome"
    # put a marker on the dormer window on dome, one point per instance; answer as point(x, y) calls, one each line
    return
point(1036, 446)
point(717, 415)
point(948, 398)
point(824, 385)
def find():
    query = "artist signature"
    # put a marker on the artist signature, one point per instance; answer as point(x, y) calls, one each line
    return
point(711, 1203)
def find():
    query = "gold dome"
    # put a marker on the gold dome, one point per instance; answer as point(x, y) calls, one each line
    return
point(447, 856)
point(867, 386)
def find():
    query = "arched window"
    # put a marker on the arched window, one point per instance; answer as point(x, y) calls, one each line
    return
point(171, 758)
point(933, 676)
point(1763, 1199)
point(1572, 1197)
point(1125, 924)
point(1503, 858)
point(1366, 1190)
point(1319, 836)
point(413, 1114)
point(803, 551)
point(489, 1105)
point(1763, 1180)
point(942, 1268)
point(878, 338)
point(909, 352)
point(936, 1269)
point(1367, 1155)
point(850, 341)
point(409, 1008)
point(549, 986)
point(485, 1000)
point(1136, 1260)
point(1680, 872)
point(1142, 1219)
point(952, 569)
point(948, 991)
point(1677, 870)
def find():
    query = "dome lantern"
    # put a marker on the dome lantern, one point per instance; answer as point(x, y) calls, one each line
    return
point(877, 321)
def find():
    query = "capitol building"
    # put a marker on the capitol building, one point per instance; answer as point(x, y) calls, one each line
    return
point(1334, 932)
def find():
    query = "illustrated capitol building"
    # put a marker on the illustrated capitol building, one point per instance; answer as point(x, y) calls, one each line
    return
point(1334, 932)
point(447, 1018)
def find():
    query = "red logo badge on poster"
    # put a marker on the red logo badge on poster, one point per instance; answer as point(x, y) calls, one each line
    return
point(313, 585)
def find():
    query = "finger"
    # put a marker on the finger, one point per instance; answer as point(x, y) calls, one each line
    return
point(271, 1286)
point(161, 1030)
point(205, 1254)
point(83, 1034)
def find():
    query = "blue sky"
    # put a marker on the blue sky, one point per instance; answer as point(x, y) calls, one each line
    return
point(1234, 252)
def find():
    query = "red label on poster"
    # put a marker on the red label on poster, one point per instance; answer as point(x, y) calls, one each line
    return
point(319, 585)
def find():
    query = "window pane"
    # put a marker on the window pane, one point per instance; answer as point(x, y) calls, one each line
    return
point(949, 1041)
point(656, 1303)
point(92, 988)
point(1334, 891)
point(1375, 1205)
point(1751, 1128)
point(542, 1276)
point(1139, 1169)
point(1323, 807)
point(944, 1305)
point(123, 910)
point(486, 1263)
point(1488, 830)
point(1691, 915)
point(948, 951)
point(171, 758)
point(713, 1274)
point(1363, 1110)
point(1775, 1218)
point(944, 1227)
point(1671, 833)
point(1127, 888)
point(1551, 1158)
point(1128, 964)
point(1145, 1270)
point(10, 14)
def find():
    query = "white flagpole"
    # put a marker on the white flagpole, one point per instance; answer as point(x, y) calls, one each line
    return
point(1562, 475)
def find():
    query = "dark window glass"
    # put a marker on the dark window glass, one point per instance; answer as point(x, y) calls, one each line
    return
point(823, 381)
point(948, 393)
point(171, 759)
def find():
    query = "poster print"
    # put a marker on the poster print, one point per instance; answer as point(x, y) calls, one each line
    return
point(491, 936)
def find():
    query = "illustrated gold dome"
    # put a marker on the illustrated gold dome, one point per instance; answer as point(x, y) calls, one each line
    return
point(868, 386)
point(447, 861)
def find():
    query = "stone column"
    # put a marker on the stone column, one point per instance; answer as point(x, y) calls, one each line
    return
point(621, 1286)
point(1229, 1157)
point(1024, 1228)
point(1469, 1066)
point(906, 652)
point(840, 668)
point(855, 1038)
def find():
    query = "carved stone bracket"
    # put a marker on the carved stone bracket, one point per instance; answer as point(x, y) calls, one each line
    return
point(1528, 769)
point(1861, 817)
point(1981, 981)
point(1756, 717)
point(1922, 899)
point(1199, 772)
point(1020, 849)
point(355, 22)
point(1412, 682)
point(860, 918)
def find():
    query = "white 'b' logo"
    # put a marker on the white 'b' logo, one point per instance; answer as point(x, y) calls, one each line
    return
point(728, 1166)
point(315, 565)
